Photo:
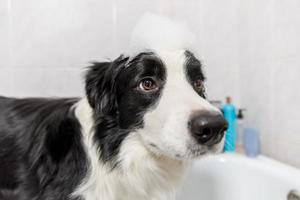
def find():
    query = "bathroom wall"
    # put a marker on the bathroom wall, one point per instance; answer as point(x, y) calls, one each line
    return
point(48, 43)
point(249, 49)
point(270, 74)
point(45, 45)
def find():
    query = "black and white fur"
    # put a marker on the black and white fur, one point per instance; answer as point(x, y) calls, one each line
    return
point(117, 143)
point(120, 142)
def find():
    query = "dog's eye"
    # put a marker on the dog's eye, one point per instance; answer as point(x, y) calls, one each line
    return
point(148, 85)
point(198, 85)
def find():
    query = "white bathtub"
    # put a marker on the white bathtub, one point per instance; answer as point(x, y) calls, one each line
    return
point(236, 177)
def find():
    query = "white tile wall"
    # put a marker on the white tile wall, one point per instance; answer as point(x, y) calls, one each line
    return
point(63, 34)
point(48, 82)
point(4, 34)
point(270, 74)
point(6, 82)
point(54, 34)
point(250, 49)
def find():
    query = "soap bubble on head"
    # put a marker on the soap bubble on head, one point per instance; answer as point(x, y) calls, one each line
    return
point(159, 33)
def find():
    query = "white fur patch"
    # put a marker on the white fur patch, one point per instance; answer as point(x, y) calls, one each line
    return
point(140, 175)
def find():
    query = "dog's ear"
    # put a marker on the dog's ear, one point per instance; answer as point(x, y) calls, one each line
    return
point(100, 85)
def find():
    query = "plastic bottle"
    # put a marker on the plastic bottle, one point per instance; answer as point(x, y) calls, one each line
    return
point(251, 142)
point(229, 111)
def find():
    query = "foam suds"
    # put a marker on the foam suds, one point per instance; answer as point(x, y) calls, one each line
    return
point(159, 33)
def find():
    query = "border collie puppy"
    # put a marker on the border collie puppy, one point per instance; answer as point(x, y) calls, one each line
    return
point(144, 116)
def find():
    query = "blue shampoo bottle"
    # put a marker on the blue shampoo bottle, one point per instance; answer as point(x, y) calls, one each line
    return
point(229, 111)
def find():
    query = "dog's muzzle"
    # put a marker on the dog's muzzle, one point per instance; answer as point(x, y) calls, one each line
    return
point(208, 128)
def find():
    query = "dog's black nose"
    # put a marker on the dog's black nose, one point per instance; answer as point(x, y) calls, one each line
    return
point(208, 128)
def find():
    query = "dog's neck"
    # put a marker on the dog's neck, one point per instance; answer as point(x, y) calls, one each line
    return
point(140, 174)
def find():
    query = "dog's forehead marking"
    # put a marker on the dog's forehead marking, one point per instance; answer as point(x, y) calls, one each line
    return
point(173, 58)
point(175, 65)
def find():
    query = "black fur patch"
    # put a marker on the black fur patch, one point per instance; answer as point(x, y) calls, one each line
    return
point(112, 90)
point(193, 68)
point(40, 149)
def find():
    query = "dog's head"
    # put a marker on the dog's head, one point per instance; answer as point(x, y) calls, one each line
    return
point(160, 97)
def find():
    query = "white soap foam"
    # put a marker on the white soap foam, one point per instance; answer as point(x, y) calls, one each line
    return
point(159, 33)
